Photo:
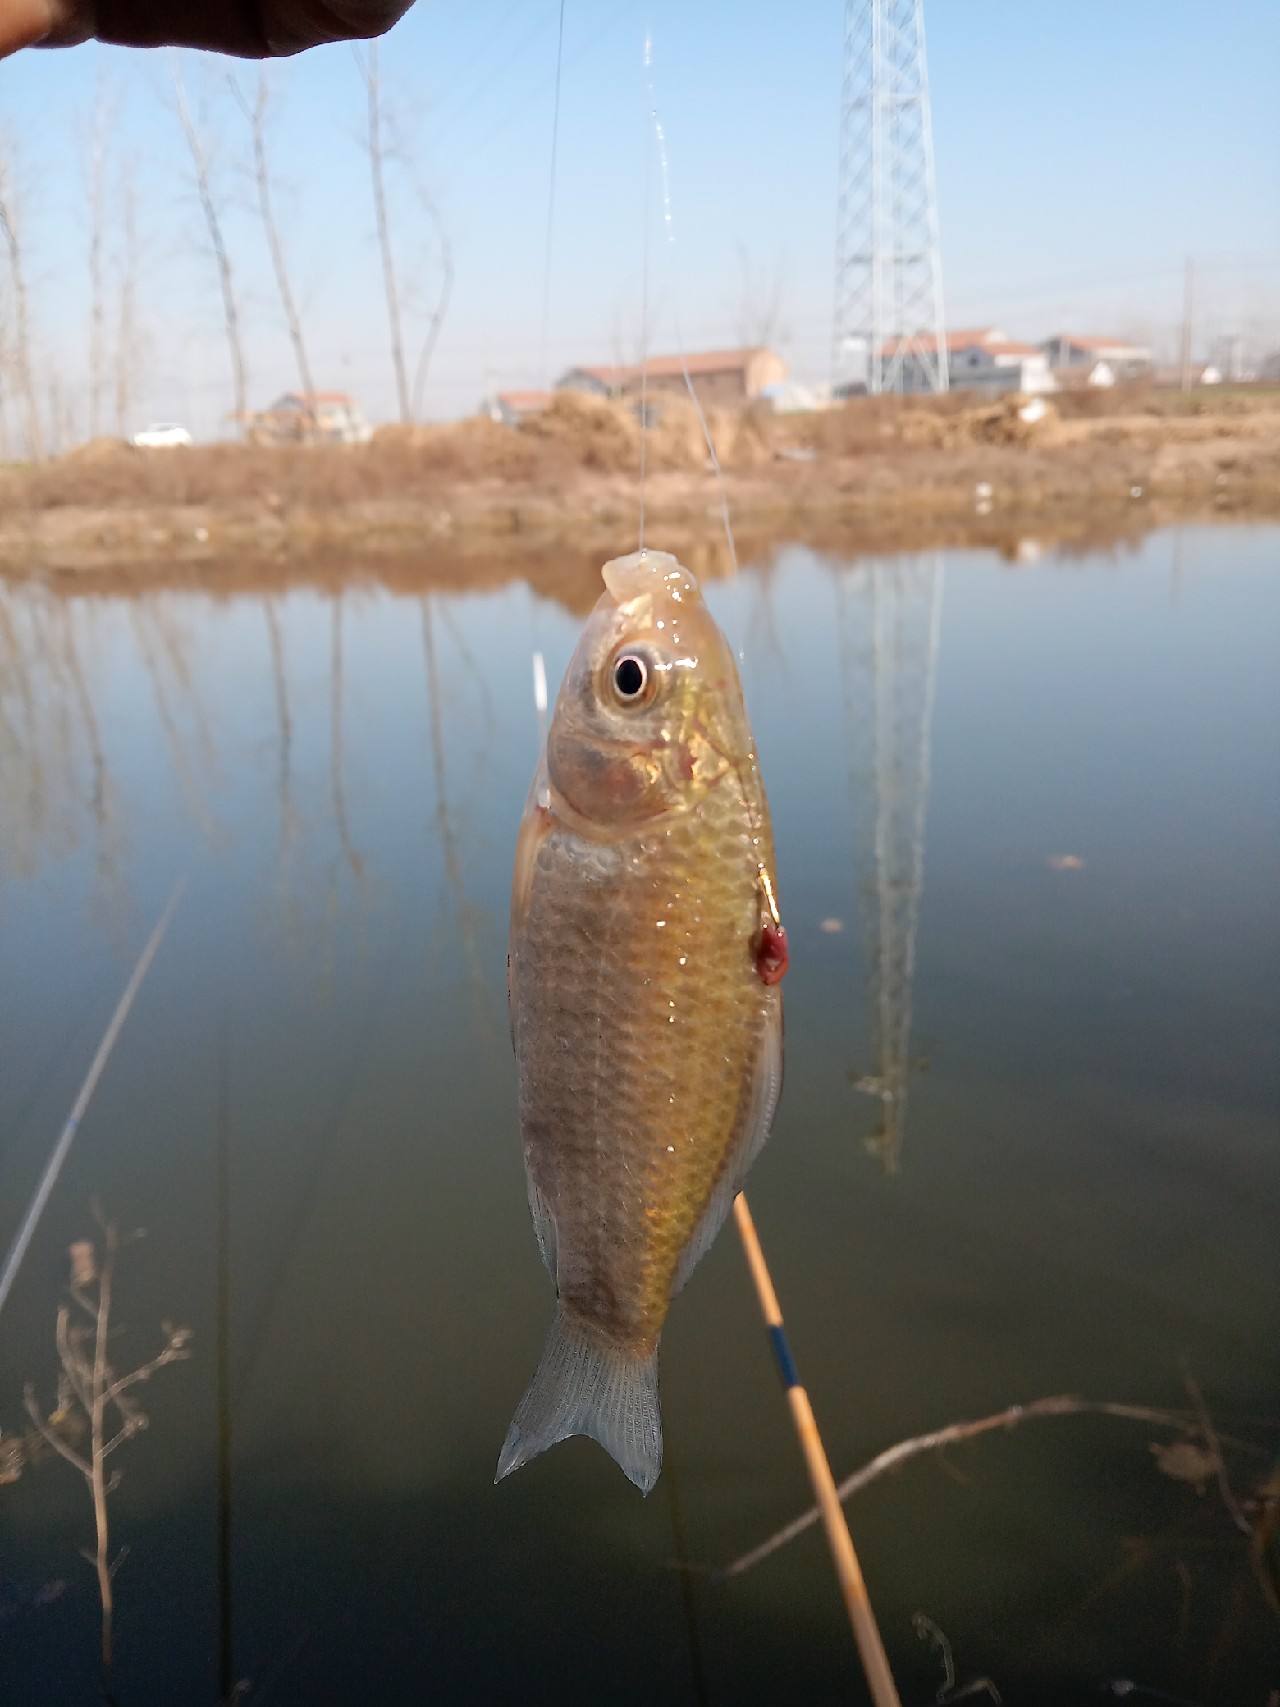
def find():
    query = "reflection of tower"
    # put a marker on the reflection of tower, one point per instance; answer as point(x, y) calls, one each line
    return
point(888, 329)
point(890, 617)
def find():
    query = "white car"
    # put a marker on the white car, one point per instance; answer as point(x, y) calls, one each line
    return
point(162, 435)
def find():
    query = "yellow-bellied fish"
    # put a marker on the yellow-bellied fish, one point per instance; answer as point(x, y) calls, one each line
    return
point(644, 958)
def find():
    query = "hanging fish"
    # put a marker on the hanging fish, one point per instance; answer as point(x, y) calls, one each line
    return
point(645, 954)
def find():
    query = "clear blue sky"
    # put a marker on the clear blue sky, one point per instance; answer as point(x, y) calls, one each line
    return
point(1083, 150)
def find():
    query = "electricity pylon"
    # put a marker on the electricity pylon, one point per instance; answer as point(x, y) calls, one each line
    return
point(888, 324)
point(890, 625)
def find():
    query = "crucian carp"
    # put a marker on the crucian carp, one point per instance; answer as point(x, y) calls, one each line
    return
point(645, 955)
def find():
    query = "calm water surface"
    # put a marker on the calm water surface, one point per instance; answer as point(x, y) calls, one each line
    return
point(1027, 830)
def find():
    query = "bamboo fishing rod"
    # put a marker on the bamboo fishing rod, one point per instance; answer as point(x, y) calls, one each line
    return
point(65, 1138)
point(866, 1632)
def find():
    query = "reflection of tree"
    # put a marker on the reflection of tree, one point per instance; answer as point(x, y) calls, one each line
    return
point(284, 774)
point(38, 777)
point(141, 623)
point(337, 784)
point(101, 801)
point(469, 917)
point(890, 616)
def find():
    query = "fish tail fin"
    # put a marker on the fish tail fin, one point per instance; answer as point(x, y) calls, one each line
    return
point(584, 1387)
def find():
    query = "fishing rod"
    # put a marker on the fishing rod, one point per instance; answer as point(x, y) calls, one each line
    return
point(18, 1250)
point(866, 1632)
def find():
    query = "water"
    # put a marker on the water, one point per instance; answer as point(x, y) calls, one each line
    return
point(1039, 800)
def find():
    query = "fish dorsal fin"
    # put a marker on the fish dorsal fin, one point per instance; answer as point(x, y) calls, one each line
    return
point(761, 1102)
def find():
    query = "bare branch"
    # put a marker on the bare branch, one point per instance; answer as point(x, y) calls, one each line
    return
point(213, 221)
point(377, 157)
point(175, 1352)
point(52, 1438)
point(256, 116)
point(1060, 1405)
point(20, 338)
point(127, 307)
point(441, 308)
point(78, 1372)
point(1215, 1451)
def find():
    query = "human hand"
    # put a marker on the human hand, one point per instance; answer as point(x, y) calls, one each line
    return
point(258, 29)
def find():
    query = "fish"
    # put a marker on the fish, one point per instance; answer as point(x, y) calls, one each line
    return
point(644, 960)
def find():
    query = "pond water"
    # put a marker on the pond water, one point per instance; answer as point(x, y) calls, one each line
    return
point(1026, 813)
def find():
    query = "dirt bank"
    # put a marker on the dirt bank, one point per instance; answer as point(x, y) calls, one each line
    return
point(878, 473)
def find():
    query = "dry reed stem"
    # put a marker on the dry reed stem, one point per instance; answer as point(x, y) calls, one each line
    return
point(1059, 1405)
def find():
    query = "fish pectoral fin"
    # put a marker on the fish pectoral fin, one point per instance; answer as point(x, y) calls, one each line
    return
point(585, 1387)
point(759, 1105)
point(544, 1225)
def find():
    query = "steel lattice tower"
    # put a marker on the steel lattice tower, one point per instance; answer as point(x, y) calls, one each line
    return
point(888, 298)
point(890, 625)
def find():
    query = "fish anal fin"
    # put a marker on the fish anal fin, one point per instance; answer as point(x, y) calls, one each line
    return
point(761, 1103)
point(584, 1386)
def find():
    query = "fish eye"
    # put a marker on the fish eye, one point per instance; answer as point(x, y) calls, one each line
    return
point(631, 676)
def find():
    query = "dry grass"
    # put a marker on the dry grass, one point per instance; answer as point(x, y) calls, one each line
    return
point(576, 435)
point(580, 461)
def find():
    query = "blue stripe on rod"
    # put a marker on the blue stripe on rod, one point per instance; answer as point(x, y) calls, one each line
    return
point(782, 1351)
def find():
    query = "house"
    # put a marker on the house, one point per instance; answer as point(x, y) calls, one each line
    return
point(595, 381)
point(717, 376)
point(1088, 360)
point(512, 407)
point(984, 359)
point(309, 417)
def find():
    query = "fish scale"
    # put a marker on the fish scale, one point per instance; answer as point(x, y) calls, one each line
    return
point(647, 1034)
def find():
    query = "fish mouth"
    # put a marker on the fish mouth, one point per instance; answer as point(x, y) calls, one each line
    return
point(644, 573)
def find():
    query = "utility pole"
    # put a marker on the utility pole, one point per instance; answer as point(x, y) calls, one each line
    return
point(888, 284)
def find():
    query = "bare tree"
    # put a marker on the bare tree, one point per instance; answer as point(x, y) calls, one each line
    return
point(256, 115)
point(126, 363)
point(96, 188)
point(201, 162)
point(377, 147)
point(20, 336)
point(440, 307)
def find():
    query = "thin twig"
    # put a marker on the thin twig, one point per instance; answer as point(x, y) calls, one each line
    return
point(1060, 1405)
point(58, 1444)
point(1215, 1451)
point(174, 1352)
point(73, 1364)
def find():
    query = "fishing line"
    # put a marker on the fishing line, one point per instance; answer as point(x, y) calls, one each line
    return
point(644, 314)
point(551, 203)
point(49, 1179)
point(539, 670)
point(668, 224)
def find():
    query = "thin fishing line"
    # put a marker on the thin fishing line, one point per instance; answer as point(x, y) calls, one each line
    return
point(551, 203)
point(49, 1178)
point(542, 338)
point(669, 227)
point(644, 303)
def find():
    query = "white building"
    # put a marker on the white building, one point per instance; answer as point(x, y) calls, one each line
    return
point(985, 359)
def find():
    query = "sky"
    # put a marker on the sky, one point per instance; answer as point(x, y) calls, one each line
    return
point(1083, 152)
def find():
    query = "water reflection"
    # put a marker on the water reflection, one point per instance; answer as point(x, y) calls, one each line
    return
point(311, 1110)
point(890, 616)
